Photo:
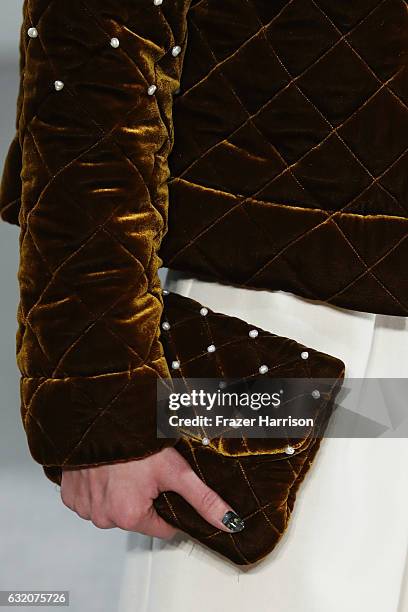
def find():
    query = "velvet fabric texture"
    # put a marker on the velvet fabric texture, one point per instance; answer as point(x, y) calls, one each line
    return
point(289, 169)
point(255, 475)
point(289, 139)
point(290, 133)
point(86, 180)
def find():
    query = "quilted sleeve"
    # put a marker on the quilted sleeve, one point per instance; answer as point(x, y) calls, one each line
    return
point(94, 134)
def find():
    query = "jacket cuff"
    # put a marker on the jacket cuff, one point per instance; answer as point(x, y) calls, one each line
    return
point(79, 422)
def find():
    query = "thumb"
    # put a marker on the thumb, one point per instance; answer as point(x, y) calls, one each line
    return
point(206, 501)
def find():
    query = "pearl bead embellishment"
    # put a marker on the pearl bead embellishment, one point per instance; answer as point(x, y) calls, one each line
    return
point(157, 2)
point(115, 43)
point(304, 355)
point(175, 365)
point(263, 369)
point(151, 90)
point(289, 450)
point(166, 325)
point(59, 85)
point(176, 51)
point(253, 333)
point(204, 312)
point(316, 394)
point(205, 441)
point(211, 348)
point(32, 32)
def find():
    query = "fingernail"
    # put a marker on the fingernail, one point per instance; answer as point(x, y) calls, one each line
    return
point(233, 521)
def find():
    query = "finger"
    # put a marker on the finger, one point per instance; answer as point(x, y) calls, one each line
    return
point(102, 522)
point(82, 513)
point(153, 525)
point(206, 501)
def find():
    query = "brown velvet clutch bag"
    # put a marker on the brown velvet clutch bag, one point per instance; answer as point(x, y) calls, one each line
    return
point(258, 477)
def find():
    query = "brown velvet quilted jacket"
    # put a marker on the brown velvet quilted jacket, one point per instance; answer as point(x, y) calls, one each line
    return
point(260, 143)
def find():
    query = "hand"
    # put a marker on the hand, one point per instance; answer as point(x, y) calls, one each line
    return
point(121, 494)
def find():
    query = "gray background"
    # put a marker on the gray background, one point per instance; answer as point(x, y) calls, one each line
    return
point(43, 545)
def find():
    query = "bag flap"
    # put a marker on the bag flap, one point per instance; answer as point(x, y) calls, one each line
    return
point(242, 354)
